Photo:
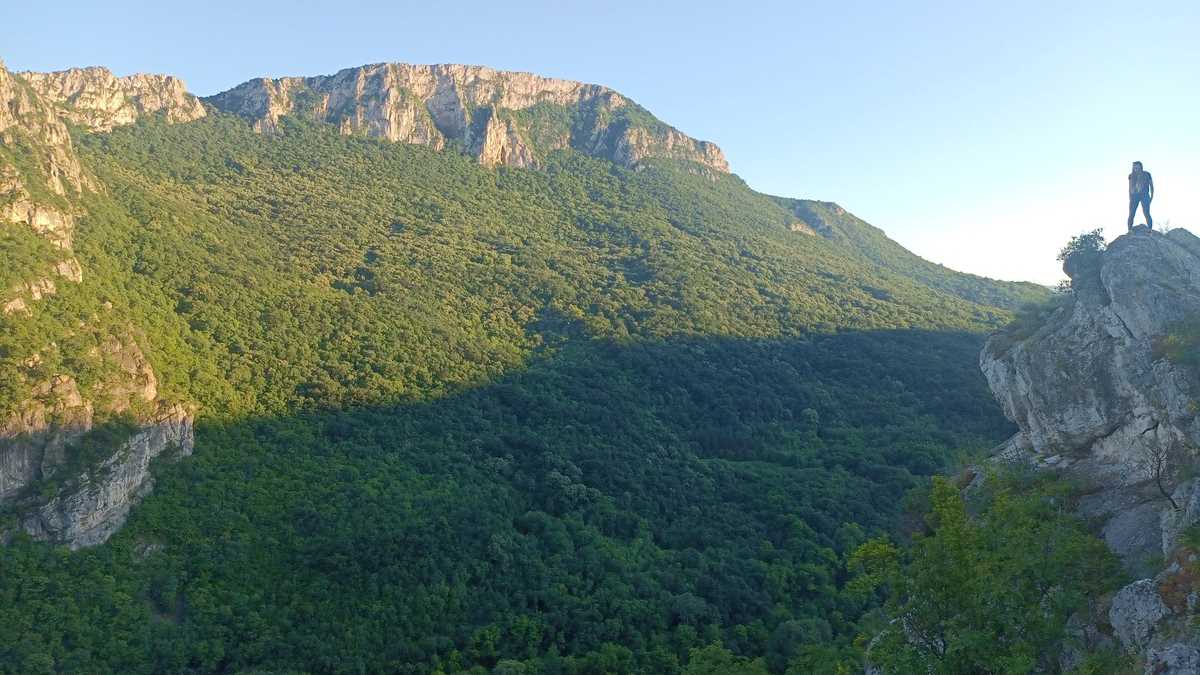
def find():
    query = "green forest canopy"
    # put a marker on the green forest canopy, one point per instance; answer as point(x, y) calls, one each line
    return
point(577, 420)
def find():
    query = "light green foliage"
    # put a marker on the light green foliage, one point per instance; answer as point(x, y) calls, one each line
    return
point(28, 158)
point(984, 593)
point(716, 660)
point(26, 256)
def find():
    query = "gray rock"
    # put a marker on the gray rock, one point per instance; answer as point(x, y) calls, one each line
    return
point(1089, 383)
point(1134, 535)
point(471, 107)
point(80, 506)
point(1175, 521)
point(1097, 400)
point(98, 100)
point(34, 443)
point(96, 504)
point(1174, 659)
point(1136, 611)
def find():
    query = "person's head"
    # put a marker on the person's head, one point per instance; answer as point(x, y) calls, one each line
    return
point(1137, 166)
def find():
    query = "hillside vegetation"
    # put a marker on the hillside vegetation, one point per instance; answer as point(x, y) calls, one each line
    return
point(583, 419)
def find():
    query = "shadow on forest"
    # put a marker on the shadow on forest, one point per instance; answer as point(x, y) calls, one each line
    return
point(610, 491)
point(618, 414)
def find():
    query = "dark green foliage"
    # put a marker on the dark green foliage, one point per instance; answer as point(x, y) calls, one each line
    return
point(579, 420)
point(1085, 244)
point(1081, 259)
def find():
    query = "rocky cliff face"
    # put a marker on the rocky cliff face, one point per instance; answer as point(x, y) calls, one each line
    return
point(74, 458)
point(93, 504)
point(39, 171)
point(1093, 386)
point(1106, 391)
point(96, 99)
point(501, 118)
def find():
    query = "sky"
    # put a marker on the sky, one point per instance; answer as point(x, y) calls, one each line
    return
point(980, 135)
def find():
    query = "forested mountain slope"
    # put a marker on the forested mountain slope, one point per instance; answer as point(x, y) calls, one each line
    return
point(582, 417)
point(836, 224)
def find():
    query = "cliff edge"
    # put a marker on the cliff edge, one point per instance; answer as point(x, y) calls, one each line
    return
point(1105, 389)
point(498, 117)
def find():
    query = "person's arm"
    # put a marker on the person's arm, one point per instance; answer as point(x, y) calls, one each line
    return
point(1151, 186)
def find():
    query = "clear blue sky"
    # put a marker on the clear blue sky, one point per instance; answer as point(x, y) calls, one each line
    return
point(980, 137)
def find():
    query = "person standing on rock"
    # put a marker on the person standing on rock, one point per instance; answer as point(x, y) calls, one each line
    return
point(1141, 191)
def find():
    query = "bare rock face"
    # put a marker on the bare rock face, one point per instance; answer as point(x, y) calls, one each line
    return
point(98, 100)
point(89, 500)
point(502, 145)
point(1154, 618)
point(638, 143)
point(471, 107)
point(96, 503)
point(30, 127)
point(1174, 659)
point(1106, 391)
point(1093, 386)
point(1136, 611)
point(34, 437)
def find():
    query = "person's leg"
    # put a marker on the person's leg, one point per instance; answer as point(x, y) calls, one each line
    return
point(1133, 204)
point(1146, 212)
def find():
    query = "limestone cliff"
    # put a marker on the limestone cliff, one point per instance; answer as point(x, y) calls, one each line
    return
point(1105, 389)
point(76, 444)
point(39, 170)
point(1093, 386)
point(74, 459)
point(498, 117)
point(96, 99)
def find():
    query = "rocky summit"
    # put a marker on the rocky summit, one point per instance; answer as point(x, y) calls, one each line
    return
point(499, 117)
point(100, 101)
point(1105, 391)
point(1091, 385)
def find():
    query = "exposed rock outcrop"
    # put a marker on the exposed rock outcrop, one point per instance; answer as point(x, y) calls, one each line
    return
point(30, 129)
point(1136, 611)
point(1106, 391)
point(94, 504)
point(471, 107)
point(90, 500)
point(1092, 386)
point(19, 297)
point(100, 101)
point(1175, 659)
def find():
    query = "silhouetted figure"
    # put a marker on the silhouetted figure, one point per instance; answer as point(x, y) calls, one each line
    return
point(1141, 191)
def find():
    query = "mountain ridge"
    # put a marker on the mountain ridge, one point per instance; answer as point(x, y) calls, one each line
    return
point(485, 398)
point(494, 142)
point(478, 107)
